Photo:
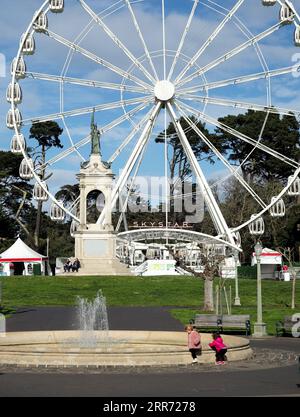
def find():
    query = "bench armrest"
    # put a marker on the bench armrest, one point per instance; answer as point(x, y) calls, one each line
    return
point(248, 327)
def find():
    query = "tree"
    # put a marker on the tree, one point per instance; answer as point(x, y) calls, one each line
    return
point(11, 196)
point(47, 135)
point(281, 134)
point(179, 164)
point(211, 263)
point(68, 193)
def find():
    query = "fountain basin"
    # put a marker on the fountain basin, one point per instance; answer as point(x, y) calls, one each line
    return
point(117, 348)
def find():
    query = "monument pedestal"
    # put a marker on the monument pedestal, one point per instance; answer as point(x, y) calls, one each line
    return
point(96, 251)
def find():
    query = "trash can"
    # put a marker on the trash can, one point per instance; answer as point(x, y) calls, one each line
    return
point(37, 270)
point(286, 276)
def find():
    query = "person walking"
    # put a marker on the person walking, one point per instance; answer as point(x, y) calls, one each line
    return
point(194, 342)
point(219, 347)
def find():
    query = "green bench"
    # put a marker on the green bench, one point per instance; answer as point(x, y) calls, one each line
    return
point(236, 321)
point(220, 322)
point(207, 321)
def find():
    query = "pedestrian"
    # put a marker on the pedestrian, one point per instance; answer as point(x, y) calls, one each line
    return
point(76, 265)
point(194, 342)
point(219, 347)
point(67, 266)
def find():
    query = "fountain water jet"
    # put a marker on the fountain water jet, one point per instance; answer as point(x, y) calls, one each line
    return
point(92, 316)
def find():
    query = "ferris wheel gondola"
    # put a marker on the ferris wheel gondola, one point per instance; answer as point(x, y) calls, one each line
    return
point(18, 144)
point(26, 169)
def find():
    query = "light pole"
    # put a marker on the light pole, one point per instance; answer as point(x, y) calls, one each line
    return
point(237, 301)
point(259, 326)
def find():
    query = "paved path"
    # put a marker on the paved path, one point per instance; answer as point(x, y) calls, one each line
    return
point(273, 371)
point(65, 318)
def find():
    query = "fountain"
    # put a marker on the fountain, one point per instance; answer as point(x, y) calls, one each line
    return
point(93, 321)
point(94, 345)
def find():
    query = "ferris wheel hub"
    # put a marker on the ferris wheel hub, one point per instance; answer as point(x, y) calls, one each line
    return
point(164, 90)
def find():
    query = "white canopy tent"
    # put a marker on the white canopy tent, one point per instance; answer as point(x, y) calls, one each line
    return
point(269, 260)
point(20, 253)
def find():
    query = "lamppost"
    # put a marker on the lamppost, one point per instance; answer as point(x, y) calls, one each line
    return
point(237, 301)
point(259, 326)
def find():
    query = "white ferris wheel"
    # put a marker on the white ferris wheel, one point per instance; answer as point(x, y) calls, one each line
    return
point(128, 62)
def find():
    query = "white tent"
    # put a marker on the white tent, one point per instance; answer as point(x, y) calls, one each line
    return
point(20, 253)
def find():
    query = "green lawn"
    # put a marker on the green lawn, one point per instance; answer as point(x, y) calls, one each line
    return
point(185, 294)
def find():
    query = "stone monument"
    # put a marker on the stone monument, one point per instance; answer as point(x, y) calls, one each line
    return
point(95, 244)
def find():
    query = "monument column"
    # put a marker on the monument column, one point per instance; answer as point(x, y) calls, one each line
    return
point(82, 205)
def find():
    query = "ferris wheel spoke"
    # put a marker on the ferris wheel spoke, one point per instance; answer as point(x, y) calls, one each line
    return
point(97, 59)
point(183, 38)
point(86, 110)
point(74, 204)
point(126, 116)
point(209, 40)
point(68, 151)
point(293, 9)
point(139, 32)
point(163, 16)
point(253, 149)
point(141, 143)
point(230, 54)
point(240, 105)
point(232, 170)
point(87, 139)
point(130, 137)
point(85, 82)
point(241, 136)
point(117, 41)
point(130, 188)
point(238, 80)
point(213, 207)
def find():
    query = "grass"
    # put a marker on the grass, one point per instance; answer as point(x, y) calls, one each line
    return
point(119, 291)
point(185, 294)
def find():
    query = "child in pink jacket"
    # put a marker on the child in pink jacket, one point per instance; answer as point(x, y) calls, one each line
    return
point(194, 342)
point(219, 347)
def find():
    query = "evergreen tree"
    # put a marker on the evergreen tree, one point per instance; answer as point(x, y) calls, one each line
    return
point(281, 134)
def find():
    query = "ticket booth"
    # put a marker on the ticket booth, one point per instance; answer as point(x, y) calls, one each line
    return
point(271, 262)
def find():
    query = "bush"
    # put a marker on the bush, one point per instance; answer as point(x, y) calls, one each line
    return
point(247, 272)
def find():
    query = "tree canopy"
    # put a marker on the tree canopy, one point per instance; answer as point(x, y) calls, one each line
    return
point(281, 134)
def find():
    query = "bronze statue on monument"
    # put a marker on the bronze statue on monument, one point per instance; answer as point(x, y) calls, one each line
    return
point(95, 137)
point(95, 143)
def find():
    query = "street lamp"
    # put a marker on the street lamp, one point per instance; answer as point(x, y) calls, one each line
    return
point(259, 326)
point(237, 301)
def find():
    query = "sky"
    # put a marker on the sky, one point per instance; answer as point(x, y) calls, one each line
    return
point(42, 98)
